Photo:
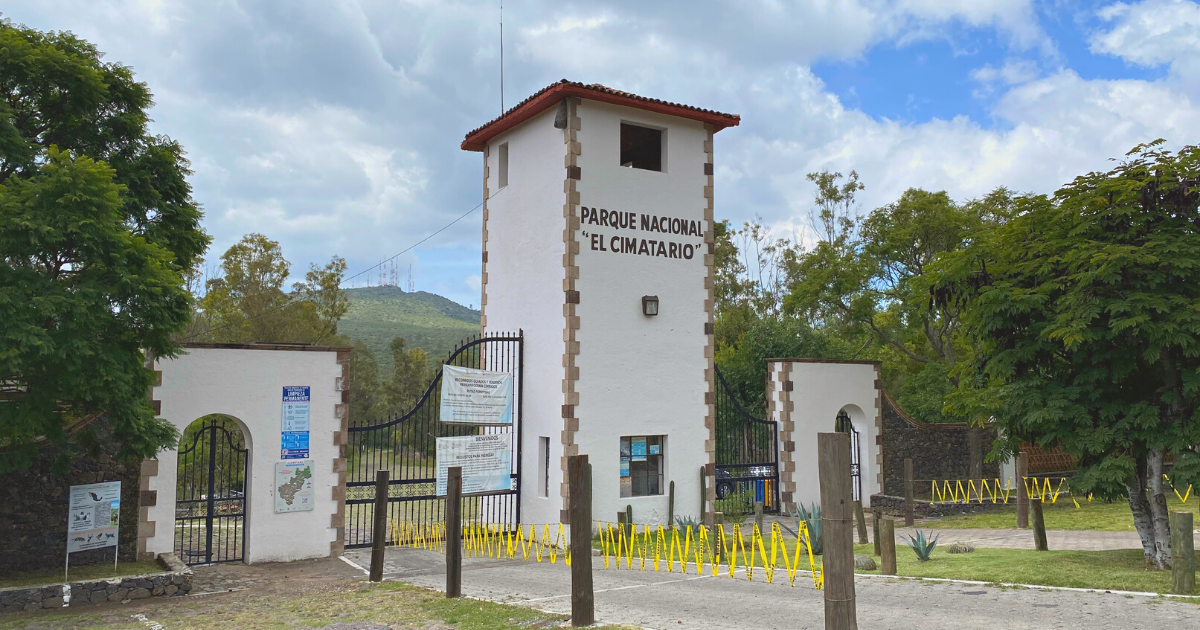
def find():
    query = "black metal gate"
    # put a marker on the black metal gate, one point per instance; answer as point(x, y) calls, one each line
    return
point(747, 456)
point(845, 425)
point(405, 445)
point(210, 499)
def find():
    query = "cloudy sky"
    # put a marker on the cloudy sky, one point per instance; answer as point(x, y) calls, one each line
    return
point(333, 126)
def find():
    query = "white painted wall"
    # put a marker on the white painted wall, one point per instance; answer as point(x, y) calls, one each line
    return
point(637, 375)
point(641, 375)
point(525, 288)
point(247, 385)
point(819, 391)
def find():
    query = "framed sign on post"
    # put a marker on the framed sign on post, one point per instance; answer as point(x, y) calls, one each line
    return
point(294, 434)
point(486, 462)
point(471, 396)
point(93, 519)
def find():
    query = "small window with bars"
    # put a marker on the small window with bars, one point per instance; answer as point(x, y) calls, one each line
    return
point(642, 465)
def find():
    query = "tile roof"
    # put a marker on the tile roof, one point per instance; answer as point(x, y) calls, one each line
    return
point(555, 92)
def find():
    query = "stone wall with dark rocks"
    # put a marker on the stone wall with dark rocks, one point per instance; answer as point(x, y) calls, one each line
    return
point(34, 502)
point(894, 506)
point(938, 451)
point(176, 580)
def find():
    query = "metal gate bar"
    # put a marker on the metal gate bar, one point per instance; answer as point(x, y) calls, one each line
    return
point(406, 446)
point(747, 455)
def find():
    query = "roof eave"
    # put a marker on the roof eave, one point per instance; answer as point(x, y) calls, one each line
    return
point(478, 140)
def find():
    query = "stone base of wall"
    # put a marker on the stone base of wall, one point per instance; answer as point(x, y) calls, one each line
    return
point(176, 580)
point(894, 506)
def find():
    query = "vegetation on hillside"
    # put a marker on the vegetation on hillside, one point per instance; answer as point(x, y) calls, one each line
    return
point(377, 315)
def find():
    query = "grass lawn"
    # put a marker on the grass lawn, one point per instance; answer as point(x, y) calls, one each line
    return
point(1097, 515)
point(79, 574)
point(1122, 569)
point(386, 603)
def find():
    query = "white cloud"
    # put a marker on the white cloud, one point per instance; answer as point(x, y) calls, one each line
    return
point(1150, 33)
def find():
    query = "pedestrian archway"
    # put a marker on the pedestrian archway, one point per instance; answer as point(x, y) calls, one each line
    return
point(210, 494)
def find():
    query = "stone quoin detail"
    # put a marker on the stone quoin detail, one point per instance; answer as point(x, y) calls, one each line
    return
point(571, 296)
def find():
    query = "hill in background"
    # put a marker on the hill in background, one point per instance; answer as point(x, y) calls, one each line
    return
point(425, 320)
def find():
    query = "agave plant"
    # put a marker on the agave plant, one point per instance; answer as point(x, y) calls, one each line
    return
point(921, 546)
point(812, 520)
point(684, 522)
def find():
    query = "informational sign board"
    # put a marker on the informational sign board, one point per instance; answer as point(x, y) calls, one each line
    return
point(471, 396)
point(639, 449)
point(93, 516)
point(294, 436)
point(293, 486)
point(486, 462)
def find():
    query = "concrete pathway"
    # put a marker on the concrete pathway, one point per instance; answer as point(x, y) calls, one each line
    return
point(673, 600)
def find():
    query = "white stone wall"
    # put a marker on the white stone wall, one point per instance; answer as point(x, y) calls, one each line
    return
point(819, 390)
point(523, 288)
point(247, 385)
point(641, 375)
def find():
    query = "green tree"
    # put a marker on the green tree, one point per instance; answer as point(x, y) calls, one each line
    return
point(866, 278)
point(410, 376)
point(248, 303)
point(97, 229)
point(1084, 315)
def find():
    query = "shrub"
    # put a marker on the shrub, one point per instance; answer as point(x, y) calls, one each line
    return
point(921, 546)
point(812, 520)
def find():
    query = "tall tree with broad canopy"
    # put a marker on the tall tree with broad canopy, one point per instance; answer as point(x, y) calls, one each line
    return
point(1083, 312)
point(97, 230)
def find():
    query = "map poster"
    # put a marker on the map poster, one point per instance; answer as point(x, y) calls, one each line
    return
point(93, 515)
point(473, 396)
point(293, 486)
point(486, 462)
point(294, 435)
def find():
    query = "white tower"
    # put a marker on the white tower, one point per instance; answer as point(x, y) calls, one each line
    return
point(598, 243)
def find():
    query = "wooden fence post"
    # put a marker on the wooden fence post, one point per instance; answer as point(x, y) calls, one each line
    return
point(454, 531)
point(702, 517)
point(909, 490)
point(1022, 470)
point(379, 526)
point(861, 520)
point(583, 598)
point(837, 516)
point(1183, 554)
point(876, 516)
point(758, 515)
point(1039, 525)
point(671, 507)
point(887, 539)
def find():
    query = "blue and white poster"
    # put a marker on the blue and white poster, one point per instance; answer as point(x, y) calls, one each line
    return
point(639, 449)
point(294, 436)
point(471, 396)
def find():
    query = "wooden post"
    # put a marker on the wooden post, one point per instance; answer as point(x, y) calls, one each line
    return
point(703, 498)
point(671, 506)
point(1183, 554)
point(583, 598)
point(758, 515)
point(454, 531)
point(876, 516)
point(1022, 492)
point(379, 526)
point(837, 516)
point(887, 539)
point(1039, 525)
point(861, 520)
point(909, 490)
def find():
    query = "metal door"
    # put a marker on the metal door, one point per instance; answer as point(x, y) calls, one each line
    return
point(210, 500)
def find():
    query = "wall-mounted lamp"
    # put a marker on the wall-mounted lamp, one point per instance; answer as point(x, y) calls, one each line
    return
point(650, 305)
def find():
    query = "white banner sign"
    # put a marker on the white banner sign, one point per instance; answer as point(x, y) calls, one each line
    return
point(486, 462)
point(476, 396)
point(95, 511)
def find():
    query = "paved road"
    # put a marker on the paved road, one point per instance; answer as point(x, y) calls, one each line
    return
point(673, 600)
